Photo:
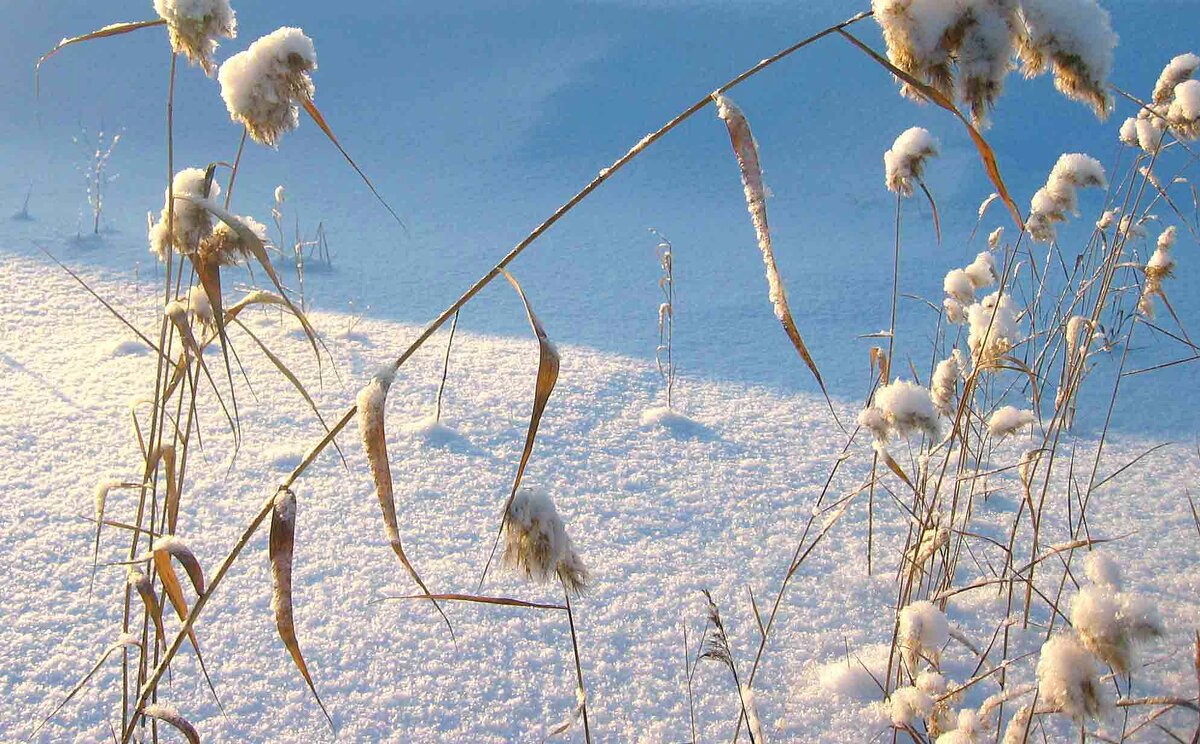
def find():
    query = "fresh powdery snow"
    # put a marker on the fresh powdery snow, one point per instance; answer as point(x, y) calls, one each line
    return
point(658, 505)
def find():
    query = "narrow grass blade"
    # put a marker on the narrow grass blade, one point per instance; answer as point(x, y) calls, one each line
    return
point(319, 120)
point(145, 589)
point(281, 547)
point(746, 151)
point(480, 599)
point(120, 644)
point(114, 29)
point(547, 376)
point(985, 150)
point(291, 377)
point(937, 220)
point(171, 717)
point(371, 404)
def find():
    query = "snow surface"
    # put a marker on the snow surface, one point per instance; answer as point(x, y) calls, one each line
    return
point(656, 517)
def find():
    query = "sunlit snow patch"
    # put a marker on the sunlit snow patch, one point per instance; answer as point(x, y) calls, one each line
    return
point(677, 424)
point(430, 432)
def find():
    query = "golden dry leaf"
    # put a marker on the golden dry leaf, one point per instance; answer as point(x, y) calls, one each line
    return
point(547, 376)
point(746, 151)
point(281, 546)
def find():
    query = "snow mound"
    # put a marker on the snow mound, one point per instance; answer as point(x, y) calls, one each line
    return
point(429, 432)
point(675, 423)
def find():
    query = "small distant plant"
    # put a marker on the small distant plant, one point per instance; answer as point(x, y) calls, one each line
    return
point(303, 252)
point(22, 215)
point(98, 151)
point(666, 314)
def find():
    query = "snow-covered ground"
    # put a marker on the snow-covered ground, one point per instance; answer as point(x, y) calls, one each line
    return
point(658, 513)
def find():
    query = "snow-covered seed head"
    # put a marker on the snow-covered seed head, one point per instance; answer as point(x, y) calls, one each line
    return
point(937, 42)
point(536, 542)
point(1058, 198)
point(993, 241)
point(1008, 420)
point(1184, 112)
point(958, 285)
point(1074, 39)
point(1150, 127)
point(1160, 267)
point(993, 327)
point(1069, 678)
point(195, 25)
point(906, 408)
point(955, 311)
point(262, 85)
point(1129, 133)
point(280, 195)
point(908, 706)
point(225, 246)
point(200, 307)
point(1178, 70)
point(944, 385)
point(982, 271)
point(905, 162)
point(969, 728)
point(191, 223)
point(922, 633)
point(1110, 623)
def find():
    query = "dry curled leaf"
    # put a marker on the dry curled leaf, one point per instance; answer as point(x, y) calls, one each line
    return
point(371, 403)
point(281, 547)
point(171, 717)
point(746, 151)
point(547, 376)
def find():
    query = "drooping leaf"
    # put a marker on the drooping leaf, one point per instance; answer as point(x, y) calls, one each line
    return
point(372, 401)
point(319, 120)
point(171, 717)
point(113, 29)
point(281, 548)
point(746, 151)
point(547, 376)
point(986, 154)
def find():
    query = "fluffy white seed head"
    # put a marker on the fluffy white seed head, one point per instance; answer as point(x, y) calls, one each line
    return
point(955, 311)
point(993, 241)
point(1069, 678)
point(944, 385)
point(1184, 113)
point(191, 223)
point(958, 285)
point(909, 706)
point(1008, 420)
point(907, 408)
point(536, 541)
point(195, 25)
point(904, 163)
point(959, 47)
point(1058, 198)
point(1111, 623)
point(1178, 70)
point(993, 327)
point(982, 271)
point(923, 631)
point(262, 85)
point(1075, 40)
